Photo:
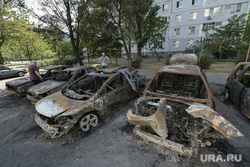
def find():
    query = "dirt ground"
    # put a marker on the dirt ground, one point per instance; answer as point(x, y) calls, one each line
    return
point(23, 143)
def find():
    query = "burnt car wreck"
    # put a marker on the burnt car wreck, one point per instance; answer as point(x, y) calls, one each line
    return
point(237, 87)
point(87, 100)
point(20, 86)
point(66, 76)
point(177, 111)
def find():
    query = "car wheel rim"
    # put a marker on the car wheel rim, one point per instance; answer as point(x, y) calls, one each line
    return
point(21, 74)
point(90, 120)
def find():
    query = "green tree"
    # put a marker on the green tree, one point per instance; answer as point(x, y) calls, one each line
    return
point(11, 22)
point(66, 14)
point(226, 39)
point(119, 11)
point(148, 26)
point(98, 33)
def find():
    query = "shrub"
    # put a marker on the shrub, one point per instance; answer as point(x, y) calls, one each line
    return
point(136, 63)
point(69, 60)
point(55, 61)
point(205, 62)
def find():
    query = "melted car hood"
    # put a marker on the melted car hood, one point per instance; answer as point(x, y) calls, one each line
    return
point(45, 87)
point(55, 104)
point(18, 82)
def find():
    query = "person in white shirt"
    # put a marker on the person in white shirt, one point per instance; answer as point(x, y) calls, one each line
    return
point(104, 60)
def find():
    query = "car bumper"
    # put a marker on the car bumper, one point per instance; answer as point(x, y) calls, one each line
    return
point(53, 130)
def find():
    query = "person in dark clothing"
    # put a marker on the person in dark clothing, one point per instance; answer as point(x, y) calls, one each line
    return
point(35, 77)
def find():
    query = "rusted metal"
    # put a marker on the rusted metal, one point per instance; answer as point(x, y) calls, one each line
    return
point(58, 82)
point(180, 148)
point(20, 86)
point(97, 94)
point(185, 124)
point(193, 79)
point(177, 111)
point(237, 87)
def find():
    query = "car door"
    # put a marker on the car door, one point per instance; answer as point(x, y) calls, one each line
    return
point(237, 88)
point(112, 94)
point(6, 72)
point(244, 79)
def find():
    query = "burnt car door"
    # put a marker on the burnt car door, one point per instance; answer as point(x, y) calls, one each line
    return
point(114, 93)
point(236, 87)
point(244, 80)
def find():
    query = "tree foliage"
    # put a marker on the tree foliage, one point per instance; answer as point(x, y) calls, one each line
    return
point(64, 15)
point(226, 41)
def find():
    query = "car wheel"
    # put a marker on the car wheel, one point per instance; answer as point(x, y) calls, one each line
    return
point(20, 74)
point(88, 121)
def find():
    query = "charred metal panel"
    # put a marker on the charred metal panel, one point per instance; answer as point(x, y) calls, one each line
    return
point(238, 85)
point(190, 125)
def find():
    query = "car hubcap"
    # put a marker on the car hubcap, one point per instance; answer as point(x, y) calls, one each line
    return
point(21, 74)
point(88, 121)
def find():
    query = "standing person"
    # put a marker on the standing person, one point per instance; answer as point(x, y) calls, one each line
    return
point(35, 77)
point(104, 60)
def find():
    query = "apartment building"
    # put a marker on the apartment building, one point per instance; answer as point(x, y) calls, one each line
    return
point(187, 18)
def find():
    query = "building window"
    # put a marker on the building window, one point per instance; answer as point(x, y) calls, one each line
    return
point(194, 2)
point(193, 16)
point(191, 30)
point(190, 43)
point(166, 18)
point(207, 26)
point(179, 4)
point(213, 11)
point(178, 18)
point(176, 44)
point(240, 7)
point(217, 11)
point(164, 7)
point(177, 31)
point(164, 33)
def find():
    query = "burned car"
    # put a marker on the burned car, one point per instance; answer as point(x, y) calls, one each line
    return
point(237, 87)
point(20, 86)
point(63, 78)
point(183, 82)
point(87, 100)
point(177, 111)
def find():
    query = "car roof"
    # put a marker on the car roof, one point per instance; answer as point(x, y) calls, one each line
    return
point(78, 68)
point(181, 69)
point(53, 67)
point(244, 63)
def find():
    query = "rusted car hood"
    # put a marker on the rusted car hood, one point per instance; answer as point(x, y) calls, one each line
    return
point(45, 87)
point(55, 104)
point(18, 82)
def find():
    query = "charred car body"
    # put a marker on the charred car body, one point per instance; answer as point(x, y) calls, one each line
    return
point(90, 98)
point(20, 86)
point(237, 87)
point(176, 111)
point(66, 76)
